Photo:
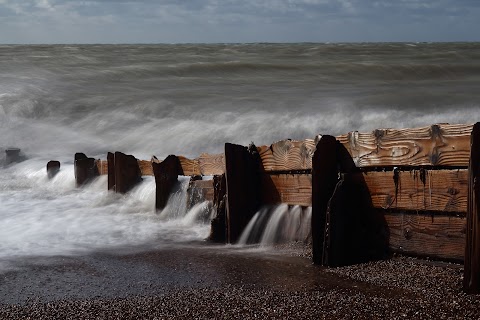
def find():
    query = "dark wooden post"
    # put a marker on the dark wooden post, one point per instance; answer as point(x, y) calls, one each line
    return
point(53, 167)
point(166, 175)
point(242, 166)
point(324, 180)
point(127, 172)
point(12, 155)
point(85, 169)
point(111, 171)
point(218, 231)
point(471, 278)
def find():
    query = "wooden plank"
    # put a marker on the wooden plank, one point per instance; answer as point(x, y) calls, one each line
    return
point(324, 180)
point(189, 167)
point(166, 175)
point(85, 169)
point(102, 166)
point(211, 164)
point(429, 190)
point(287, 155)
point(126, 171)
point(53, 167)
point(199, 191)
point(427, 235)
point(218, 230)
point(436, 145)
point(354, 231)
point(293, 189)
point(111, 170)
point(471, 279)
point(145, 167)
point(242, 166)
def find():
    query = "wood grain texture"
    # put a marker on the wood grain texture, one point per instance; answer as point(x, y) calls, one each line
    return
point(471, 278)
point(287, 155)
point(293, 189)
point(426, 235)
point(429, 190)
point(200, 191)
point(436, 145)
point(190, 167)
point(211, 164)
point(145, 167)
point(102, 166)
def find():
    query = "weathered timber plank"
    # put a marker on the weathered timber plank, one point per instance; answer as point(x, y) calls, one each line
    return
point(127, 173)
point(471, 278)
point(287, 155)
point(242, 166)
point(102, 166)
point(53, 167)
point(190, 167)
point(426, 235)
point(200, 190)
point(166, 175)
point(218, 230)
point(111, 170)
point(354, 231)
point(324, 180)
point(145, 167)
point(293, 189)
point(428, 190)
point(211, 164)
point(85, 169)
point(436, 145)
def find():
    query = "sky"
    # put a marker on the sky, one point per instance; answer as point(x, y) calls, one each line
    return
point(226, 21)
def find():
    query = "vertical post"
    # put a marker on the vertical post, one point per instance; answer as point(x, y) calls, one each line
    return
point(111, 171)
point(127, 172)
point(53, 167)
point(166, 175)
point(242, 166)
point(218, 227)
point(12, 155)
point(471, 278)
point(85, 169)
point(324, 180)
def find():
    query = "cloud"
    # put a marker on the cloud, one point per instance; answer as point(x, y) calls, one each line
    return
point(236, 20)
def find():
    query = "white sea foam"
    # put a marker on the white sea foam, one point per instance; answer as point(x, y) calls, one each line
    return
point(186, 100)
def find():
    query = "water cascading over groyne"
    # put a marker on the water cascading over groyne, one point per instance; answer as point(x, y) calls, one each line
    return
point(402, 190)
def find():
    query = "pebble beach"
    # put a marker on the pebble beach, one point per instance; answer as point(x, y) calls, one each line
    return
point(233, 283)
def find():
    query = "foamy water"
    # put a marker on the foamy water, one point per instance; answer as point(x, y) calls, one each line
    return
point(42, 217)
point(185, 100)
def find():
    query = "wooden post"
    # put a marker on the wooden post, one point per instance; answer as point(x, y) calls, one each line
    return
point(53, 167)
point(12, 155)
point(85, 169)
point(242, 175)
point(218, 231)
point(324, 180)
point(471, 278)
point(127, 172)
point(355, 232)
point(166, 175)
point(111, 171)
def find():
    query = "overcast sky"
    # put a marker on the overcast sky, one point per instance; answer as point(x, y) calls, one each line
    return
point(180, 21)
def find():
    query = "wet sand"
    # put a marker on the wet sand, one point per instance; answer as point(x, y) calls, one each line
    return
point(217, 282)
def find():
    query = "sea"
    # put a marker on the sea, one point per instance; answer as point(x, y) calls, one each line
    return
point(188, 99)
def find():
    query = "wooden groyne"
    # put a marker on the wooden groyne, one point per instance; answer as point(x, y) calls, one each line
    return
point(412, 191)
